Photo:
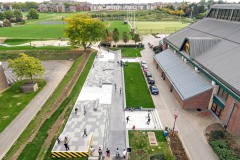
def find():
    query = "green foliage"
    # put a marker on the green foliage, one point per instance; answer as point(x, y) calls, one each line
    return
point(6, 23)
point(32, 149)
point(115, 36)
point(26, 66)
point(125, 37)
point(13, 101)
point(158, 157)
point(83, 30)
point(139, 155)
point(31, 5)
point(2, 16)
point(8, 15)
point(136, 38)
point(136, 87)
point(18, 14)
point(33, 14)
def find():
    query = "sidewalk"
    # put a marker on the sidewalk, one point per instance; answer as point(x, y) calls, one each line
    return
point(190, 124)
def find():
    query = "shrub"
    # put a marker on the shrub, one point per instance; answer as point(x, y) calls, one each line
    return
point(158, 157)
point(139, 155)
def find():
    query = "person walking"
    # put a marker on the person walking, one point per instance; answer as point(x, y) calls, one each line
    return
point(108, 152)
point(127, 119)
point(91, 150)
point(99, 151)
point(84, 110)
point(115, 85)
point(117, 153)
point(148, 121)
point(66, 146)
point(120, 90)
point(58, 140)
point(124, 153)
point(85, 132)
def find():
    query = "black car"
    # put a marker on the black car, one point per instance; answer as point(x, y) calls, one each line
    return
point(148, 73)
point(153, 89)
point(150, 80)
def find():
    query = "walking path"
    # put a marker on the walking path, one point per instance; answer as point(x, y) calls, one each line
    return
point(17, 126)
point(190, 124)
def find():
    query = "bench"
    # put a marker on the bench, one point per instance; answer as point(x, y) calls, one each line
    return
point(96, 104)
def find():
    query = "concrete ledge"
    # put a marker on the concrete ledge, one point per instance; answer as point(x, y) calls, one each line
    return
point(29, 87)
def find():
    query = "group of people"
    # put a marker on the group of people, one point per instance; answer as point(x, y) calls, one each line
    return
point(84, 110)
point(124, 153)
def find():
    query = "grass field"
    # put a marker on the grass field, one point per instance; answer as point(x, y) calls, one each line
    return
point(138, 140)
point(3, 48)
point(13, 101)
point(119, 25)
point(160, 27)
point(131, 52)
point(136, 89)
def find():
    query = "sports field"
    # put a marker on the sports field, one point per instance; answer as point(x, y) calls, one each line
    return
point(160, 27)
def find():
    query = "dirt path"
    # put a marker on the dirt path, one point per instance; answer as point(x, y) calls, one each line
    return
point(54, 107)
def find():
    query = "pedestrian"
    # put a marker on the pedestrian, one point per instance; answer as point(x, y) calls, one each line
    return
point(99, 151)
point(76, 109)
point(93, 65)
point(115, 85)
point(91, 150)
point(66, 146)
point(124, 153)
point(117, 153)
point(148, 116)
point(108, 152)
point(108, 50)
point(85, 132)
point(58, 140)
point(84, 110)
point(127, 119)
point(120, 90)
point(148, 121)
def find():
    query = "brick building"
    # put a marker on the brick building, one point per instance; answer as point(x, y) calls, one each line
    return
point(201, 65)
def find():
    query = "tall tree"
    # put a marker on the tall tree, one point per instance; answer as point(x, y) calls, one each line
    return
point(18, 14)
point(26, 66)
point(31, 5)
point(115, 37)
point(8, 15)
point(33, 14)
point(83, 30)
point(136, 38)
point(125, 37)
point(115, 31)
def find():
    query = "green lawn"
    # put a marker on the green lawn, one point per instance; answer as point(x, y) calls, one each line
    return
point(131, 52)
point(3, 48)
point(19, 41)
point(136, 89)
point(119, 25)
point(138, 140)
point(13, 101)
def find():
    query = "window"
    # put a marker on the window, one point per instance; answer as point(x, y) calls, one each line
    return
point(216, 109)
point(222, 94)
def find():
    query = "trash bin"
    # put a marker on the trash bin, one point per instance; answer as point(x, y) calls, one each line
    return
point(165, 133)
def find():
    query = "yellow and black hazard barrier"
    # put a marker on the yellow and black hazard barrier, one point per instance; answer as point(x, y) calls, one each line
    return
point(68, 154)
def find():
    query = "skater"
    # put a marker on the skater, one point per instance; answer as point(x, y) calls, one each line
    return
point(148, 121)
point(117, 153)
point(99, 151)
point(85, 132)
point(84, 110)
point(127, 119)
point(76, 109)
point(108, 152)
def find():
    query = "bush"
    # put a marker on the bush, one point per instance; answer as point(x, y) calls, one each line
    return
point(158, 157)
point(139, 155)
point(130, 45)
point(217, 135)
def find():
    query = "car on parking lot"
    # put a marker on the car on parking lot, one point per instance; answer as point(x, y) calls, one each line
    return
point(148, 73)
point(150, 80)
point(153, 89)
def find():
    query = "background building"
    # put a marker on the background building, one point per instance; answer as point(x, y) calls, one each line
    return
point(201, 65)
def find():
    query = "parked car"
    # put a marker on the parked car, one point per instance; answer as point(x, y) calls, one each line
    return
point(145, 67)
point(150, 80)
point(153, 89)
point(143, 63)
point(148, 74)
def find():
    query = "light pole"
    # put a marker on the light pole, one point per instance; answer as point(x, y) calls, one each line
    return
point(175, 118)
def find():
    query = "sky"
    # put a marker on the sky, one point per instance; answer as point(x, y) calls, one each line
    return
point(122, 1)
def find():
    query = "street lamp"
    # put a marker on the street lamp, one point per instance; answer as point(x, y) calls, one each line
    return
point(175, 118)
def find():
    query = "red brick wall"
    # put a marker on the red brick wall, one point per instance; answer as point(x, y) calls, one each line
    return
point(198, 101)
point(177, 96)
point(233, 126)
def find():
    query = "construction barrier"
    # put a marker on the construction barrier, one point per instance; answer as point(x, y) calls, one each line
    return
point(68, 154)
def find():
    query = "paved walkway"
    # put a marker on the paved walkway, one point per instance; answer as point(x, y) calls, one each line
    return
point(17, 126)
point(190, 124)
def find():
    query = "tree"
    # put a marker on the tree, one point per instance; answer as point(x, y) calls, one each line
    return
point(33, 14)
point(115, 37)
point(125, 37)
point(31, 5)
point(83, 30)
point(8, 15)
point(6, 23)
point(18, 15)
point(2, 16)
point(115, 31)
point(26, 66)
point(136, 38)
